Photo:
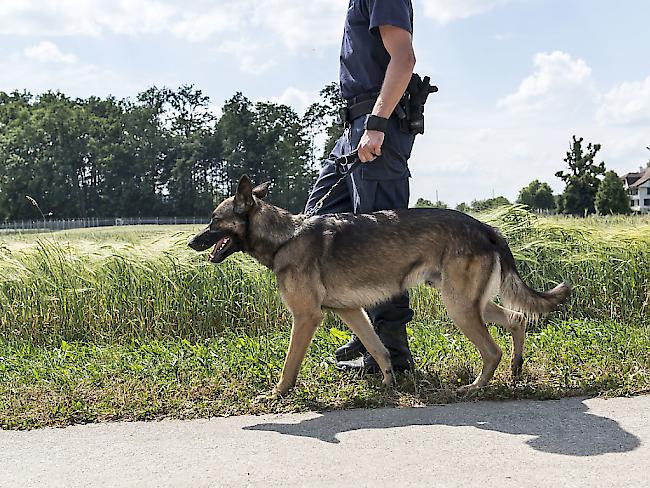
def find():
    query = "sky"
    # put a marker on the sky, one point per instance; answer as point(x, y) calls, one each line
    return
point(517, 78)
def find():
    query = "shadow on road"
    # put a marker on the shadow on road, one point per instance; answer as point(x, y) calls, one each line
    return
point(560, 427)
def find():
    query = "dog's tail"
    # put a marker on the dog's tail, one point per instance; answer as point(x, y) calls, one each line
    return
point(517, 295)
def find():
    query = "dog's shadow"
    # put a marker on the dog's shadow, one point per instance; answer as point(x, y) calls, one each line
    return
point(560, 427)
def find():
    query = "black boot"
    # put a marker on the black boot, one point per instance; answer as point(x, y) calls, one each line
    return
point(389, 320)
point(353, 349)
point(396, 341)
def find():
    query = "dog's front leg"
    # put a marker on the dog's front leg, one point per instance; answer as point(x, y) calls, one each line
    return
point(304, 326)
point(359, 323)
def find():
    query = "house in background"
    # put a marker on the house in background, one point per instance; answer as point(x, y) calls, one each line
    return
point(638, 188)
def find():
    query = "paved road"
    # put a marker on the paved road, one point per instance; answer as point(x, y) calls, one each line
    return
point(567, 443)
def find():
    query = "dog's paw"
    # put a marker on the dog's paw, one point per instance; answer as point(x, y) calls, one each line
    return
point(389, 380)
point(516, 366)
point(467, 391)
point(265, 397)
point(274, 394)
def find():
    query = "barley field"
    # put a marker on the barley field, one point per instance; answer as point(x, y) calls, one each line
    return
point(129, 323)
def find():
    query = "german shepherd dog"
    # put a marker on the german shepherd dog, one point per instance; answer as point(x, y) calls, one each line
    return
point(346, 262)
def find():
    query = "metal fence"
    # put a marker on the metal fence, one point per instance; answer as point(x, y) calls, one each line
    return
point(63, 224)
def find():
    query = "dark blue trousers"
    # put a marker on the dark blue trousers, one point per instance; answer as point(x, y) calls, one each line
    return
point(378, 185)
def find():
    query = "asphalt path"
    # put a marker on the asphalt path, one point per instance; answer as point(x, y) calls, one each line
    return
point(573, 442)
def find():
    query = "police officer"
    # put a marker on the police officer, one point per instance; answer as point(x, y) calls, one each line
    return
point(377, 62)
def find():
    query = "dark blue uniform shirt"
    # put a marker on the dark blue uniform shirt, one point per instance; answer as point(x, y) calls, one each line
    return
point(364, 58)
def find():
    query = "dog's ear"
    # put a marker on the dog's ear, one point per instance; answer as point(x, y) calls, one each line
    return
point(261, 191)
point(244, 196)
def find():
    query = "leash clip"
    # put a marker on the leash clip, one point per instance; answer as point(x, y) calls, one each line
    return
point(344, 165)
point(347, 163)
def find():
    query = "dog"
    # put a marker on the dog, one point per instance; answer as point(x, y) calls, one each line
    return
point(348, 262)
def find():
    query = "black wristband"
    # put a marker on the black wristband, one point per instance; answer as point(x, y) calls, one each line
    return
point(373, 122)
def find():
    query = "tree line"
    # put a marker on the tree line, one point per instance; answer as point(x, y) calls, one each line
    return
point(167, 153)
point(164, 153)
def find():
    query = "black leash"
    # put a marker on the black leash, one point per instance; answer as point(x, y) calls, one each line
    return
point(345, 165)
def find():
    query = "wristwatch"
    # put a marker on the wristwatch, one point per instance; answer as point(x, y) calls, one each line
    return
point(373, 122)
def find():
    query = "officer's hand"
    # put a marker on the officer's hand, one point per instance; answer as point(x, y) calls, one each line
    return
point(370, 145)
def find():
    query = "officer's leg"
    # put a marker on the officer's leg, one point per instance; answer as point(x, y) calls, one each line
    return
point(340, 200)
point(390, 318)
point(385, 186)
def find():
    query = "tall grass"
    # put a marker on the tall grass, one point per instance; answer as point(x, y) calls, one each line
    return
point(108, 291)
point(138, 283)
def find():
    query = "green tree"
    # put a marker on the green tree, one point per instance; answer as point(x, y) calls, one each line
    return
point(423, 202)
point(582, 178)
point(163, 153)
point(489, 203)
point(463, 207)
point(77, 158)
point(321, 118)
point(611, 197)
point(268, 142)
point(44, 153)
point(286, 162)
point(537, 195)
point(194, 156)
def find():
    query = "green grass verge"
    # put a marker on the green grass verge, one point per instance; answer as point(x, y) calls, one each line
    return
point(80, 383)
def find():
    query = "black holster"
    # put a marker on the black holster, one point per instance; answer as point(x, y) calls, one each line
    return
point(412, 103)
point(409, 111)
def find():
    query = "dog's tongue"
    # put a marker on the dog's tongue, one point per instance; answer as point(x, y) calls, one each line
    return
point(215, 249)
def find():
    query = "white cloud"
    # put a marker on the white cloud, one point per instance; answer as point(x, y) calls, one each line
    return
point(130, 17)
point(627, 103)
point(303, 24)
point(84, 18)
point(48, 52)
point(298, 99)
point(247, 52)
point(194, 20)
point(312, 24)
point(201, 26)
point(40, 69)
point(445, 11)
point(559, 82)
point(462, 161)
point(473, 153)
point(46, 18)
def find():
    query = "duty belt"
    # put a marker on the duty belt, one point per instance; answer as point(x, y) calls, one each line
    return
point(364, 107)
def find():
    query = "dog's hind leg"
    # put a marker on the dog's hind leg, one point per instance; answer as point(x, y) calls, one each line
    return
point(463, 293)
point(468, 319)
point(515, 322)
point(359, 323)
